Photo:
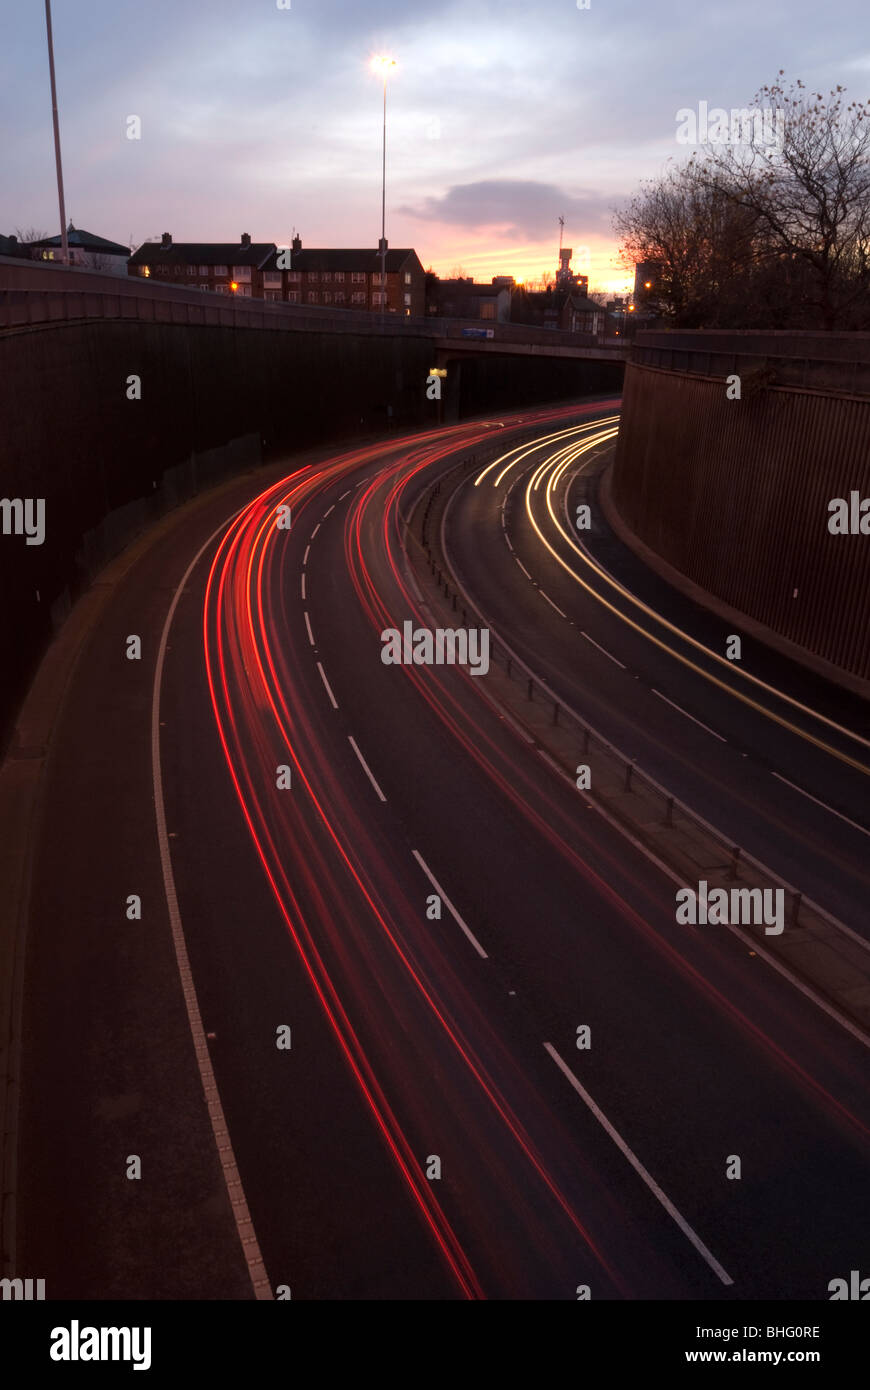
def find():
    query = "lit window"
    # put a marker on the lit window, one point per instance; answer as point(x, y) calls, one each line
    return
point(407, 277)
point(145, 270)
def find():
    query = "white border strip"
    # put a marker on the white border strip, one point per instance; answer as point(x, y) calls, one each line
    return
point(232, 1177)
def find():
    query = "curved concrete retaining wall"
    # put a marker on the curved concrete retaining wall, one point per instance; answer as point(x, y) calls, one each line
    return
point(734, 494)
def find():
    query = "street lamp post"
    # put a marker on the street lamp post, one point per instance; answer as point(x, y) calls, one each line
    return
point(64, 246)
point(383, 66)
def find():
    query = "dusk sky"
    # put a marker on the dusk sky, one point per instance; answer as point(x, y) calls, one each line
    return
point(501, 116)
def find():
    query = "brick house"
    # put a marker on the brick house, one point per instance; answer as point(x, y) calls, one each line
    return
point(205, 265)
point(346, 279)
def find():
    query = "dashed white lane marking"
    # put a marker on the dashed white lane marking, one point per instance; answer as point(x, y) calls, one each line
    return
point(305, 556)
point(326, 514)
point(639, 1168)
point(440, 891)
point(366, 769)
point(602, 650)
point(308, 625)
point(824, 805)
point(345, 494)
point(232, 1178)
point(316, 529)
point(552, 604)
point(523, 568)
point(680, 709)
point(303, 586)
point(508, 539)
point(328, 687)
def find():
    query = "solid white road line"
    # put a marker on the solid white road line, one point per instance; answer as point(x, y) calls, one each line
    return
point(609, 656)
point(308, 625)
point(366, 769)
point(440, 891)
point(639, 1168)
point(232, 1178)
point(680, 710)
point(326, 683)
point(824, 805)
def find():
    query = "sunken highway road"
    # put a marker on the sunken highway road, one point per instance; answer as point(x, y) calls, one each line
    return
point(335, 988)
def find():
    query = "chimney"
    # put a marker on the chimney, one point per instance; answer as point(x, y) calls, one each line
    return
point(246, 238)
point(166, 241)
point(296, 244)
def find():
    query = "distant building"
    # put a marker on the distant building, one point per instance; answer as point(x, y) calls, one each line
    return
point(567, 311)
point(463, 299)
point(85, 249)
point(205, 265)
point(565, 278)
point(346, 279)
point(11, 246)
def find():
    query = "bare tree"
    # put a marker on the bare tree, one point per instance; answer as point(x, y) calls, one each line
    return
point(807, 193)
point(703, 243)
point(30, 234)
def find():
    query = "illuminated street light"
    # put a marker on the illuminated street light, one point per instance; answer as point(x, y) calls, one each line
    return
point(384, 66)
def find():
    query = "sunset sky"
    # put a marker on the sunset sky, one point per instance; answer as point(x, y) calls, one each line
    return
point(501, 116)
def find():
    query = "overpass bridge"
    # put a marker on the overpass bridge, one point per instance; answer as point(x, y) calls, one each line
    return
point(41, 295)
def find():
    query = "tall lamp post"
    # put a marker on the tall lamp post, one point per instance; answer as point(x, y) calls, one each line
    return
point(64, 247)
point(384, 66)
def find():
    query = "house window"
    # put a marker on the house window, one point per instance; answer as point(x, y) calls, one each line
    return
point(242, 272)
point(191, 270)
point(272, 277)
point(327, 297)
point(358, 299)
point(145, 270)
point(327, 277)
point(313, 297)
point(313, 275)
point(293, 296)
point(220, 269)
point(244, 291)
point(487, 311)
point(407, 277)
point(407, 299)
point(203, 285)
point(358, 277)
point(339, 277)
point(203, 270)
point(293, 277)
point(378, 297)
point(340, 297)
point(273, 295)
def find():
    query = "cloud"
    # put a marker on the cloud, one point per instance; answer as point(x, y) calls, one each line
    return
point(513, 208)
